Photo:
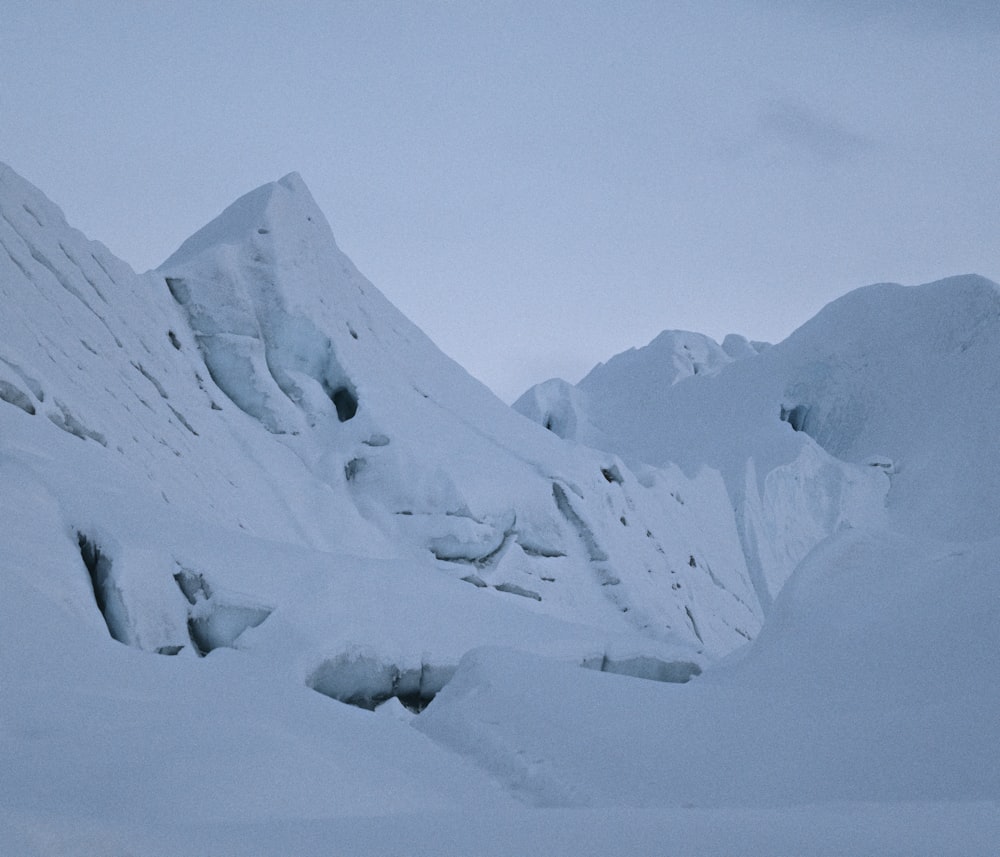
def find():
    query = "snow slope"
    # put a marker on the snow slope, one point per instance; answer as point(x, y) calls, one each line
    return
point(874, 680)
point(243, 490)
point(302, 343)
point(211, 393)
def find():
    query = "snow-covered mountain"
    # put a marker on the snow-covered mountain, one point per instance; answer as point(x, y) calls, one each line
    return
point(245, 477)
point(880, 411)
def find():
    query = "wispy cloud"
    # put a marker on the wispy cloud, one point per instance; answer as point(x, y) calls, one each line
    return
point(797, 127)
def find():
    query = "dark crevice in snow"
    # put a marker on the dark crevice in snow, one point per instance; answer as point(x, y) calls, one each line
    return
point(531, 548)
point(594, 551)
point(612, 474)
point(451, 549)
point(178, 289)
point(414, 702)
point(513, 589)
point(694, 625)
point(43, 260)
point(65, 420)
point(212, 623)
point(169, 650)
point(59, 277)
point(607, 579)
point(216, 626)
point(346, 403)
point(366, 681)
point(884, 463)
point(28, 210)
point(547, 553)
point(796, 417)
point(181, 419)
point(106, 593)
point(145, 374)
point(83, 273)
point(20, 265)
point(646, 667)
point(174, 341)
point(354, 467)
point(15, 396)
point(193, 586)
point(102, 266)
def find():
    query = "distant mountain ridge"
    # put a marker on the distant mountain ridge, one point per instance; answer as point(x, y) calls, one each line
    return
point(887, 392)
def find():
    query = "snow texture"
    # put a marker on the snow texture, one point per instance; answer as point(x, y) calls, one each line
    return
point(277, 571)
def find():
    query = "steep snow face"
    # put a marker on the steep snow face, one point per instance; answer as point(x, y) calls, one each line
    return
point(307, 347)
point(92, 352)
point(254, 450)
point(285, 320)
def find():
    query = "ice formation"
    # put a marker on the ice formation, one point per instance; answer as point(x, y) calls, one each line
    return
point(269, 555)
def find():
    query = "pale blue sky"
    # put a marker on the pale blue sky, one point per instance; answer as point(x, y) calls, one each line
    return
point(538, 185)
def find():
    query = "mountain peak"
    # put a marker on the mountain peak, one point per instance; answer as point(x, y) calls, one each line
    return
point(293, 182)
point(284, 208)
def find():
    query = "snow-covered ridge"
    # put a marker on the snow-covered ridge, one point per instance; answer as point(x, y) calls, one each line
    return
point(882, 405)
point(258, 385)
point(309, 348)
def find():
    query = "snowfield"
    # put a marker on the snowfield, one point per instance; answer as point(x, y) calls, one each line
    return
point(281, 578)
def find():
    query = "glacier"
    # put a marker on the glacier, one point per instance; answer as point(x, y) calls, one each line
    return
point(276, 570)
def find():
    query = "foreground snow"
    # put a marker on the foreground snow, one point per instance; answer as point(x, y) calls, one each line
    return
point(874, 680)
point(837, 830)
point(254, 522)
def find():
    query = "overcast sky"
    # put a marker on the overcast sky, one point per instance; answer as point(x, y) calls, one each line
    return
point(537, 185)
